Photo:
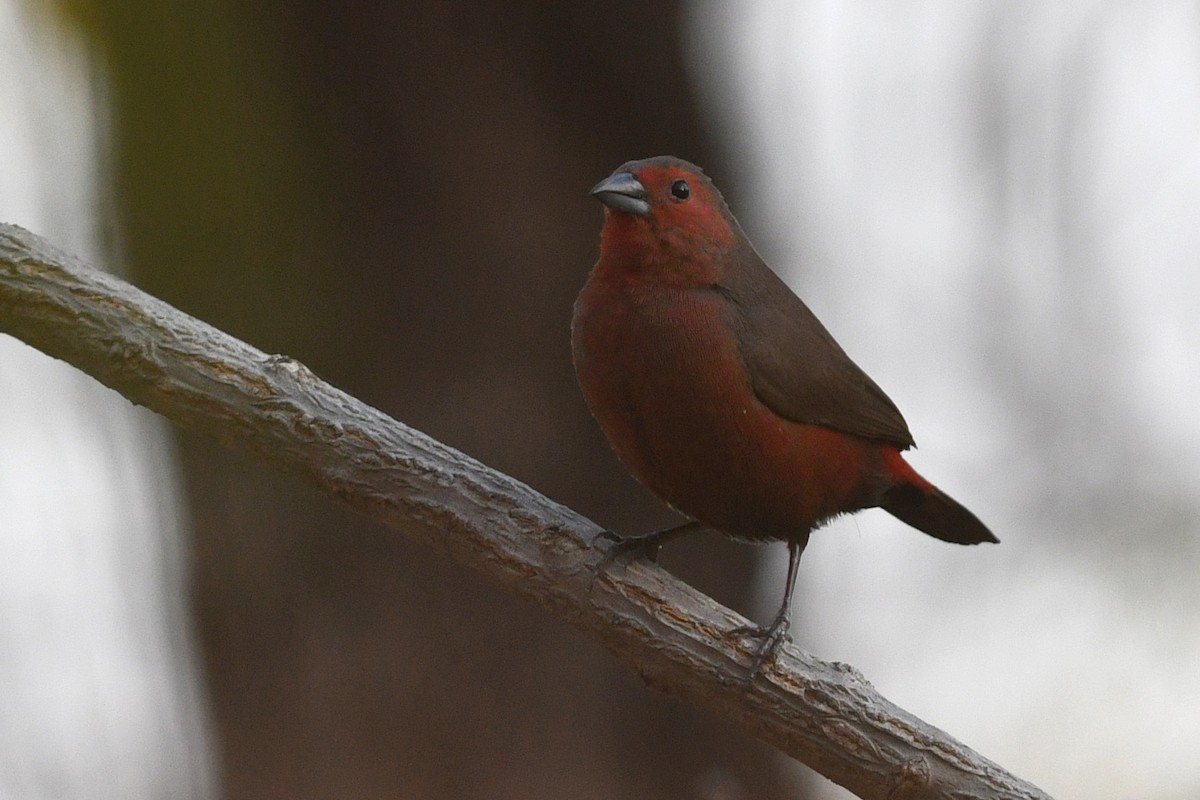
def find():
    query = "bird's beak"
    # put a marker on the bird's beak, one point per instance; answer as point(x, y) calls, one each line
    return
point(623, 192)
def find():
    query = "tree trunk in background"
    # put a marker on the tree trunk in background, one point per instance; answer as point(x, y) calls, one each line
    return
point(396, 194)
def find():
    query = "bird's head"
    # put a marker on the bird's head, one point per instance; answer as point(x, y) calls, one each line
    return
point(663, 218)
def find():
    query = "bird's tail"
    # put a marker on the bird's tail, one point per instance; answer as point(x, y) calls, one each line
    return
point(935, 513)
point(927, 508)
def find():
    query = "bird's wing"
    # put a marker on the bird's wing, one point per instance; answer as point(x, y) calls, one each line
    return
point(797, 369)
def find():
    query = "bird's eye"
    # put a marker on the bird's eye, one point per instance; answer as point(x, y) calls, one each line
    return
point(680, 190)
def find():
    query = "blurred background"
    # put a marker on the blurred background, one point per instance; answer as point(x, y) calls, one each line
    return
point(993, 206)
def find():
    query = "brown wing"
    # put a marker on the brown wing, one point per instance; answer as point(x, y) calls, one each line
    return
point(796, 367)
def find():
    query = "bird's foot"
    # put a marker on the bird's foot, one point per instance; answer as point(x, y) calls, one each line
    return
point(628, 548)
point(647, 545)
point(772, 638)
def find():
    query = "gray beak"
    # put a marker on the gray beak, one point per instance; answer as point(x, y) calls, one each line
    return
point(623, 192)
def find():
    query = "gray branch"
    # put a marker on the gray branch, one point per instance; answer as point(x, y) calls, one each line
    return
point(681, 642)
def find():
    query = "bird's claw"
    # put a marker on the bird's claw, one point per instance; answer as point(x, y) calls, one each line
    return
point(624, 549)
point(628, 548)
point(773, 636)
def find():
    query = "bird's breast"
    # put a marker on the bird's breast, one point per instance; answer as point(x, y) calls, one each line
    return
point(656, 366)
point(661, 371)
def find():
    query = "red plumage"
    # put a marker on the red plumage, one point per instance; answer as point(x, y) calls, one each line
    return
point(721, 391)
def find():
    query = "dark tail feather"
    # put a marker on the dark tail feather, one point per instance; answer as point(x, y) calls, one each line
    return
point(935, 513)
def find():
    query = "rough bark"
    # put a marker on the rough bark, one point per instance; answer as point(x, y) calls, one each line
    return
point(681, 642)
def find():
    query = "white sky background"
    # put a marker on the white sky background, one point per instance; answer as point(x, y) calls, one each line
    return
point(995, 207)
point(99, 696)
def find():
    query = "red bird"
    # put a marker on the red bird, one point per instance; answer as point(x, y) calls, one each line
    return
point(719, 389)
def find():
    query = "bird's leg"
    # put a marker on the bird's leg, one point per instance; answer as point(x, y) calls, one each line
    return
point(646, 545)
point(774, 634)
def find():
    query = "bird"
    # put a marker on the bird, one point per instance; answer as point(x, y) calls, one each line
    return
point(721, 392)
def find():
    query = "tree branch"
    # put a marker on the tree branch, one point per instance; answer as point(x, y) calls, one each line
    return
point(681, 642)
